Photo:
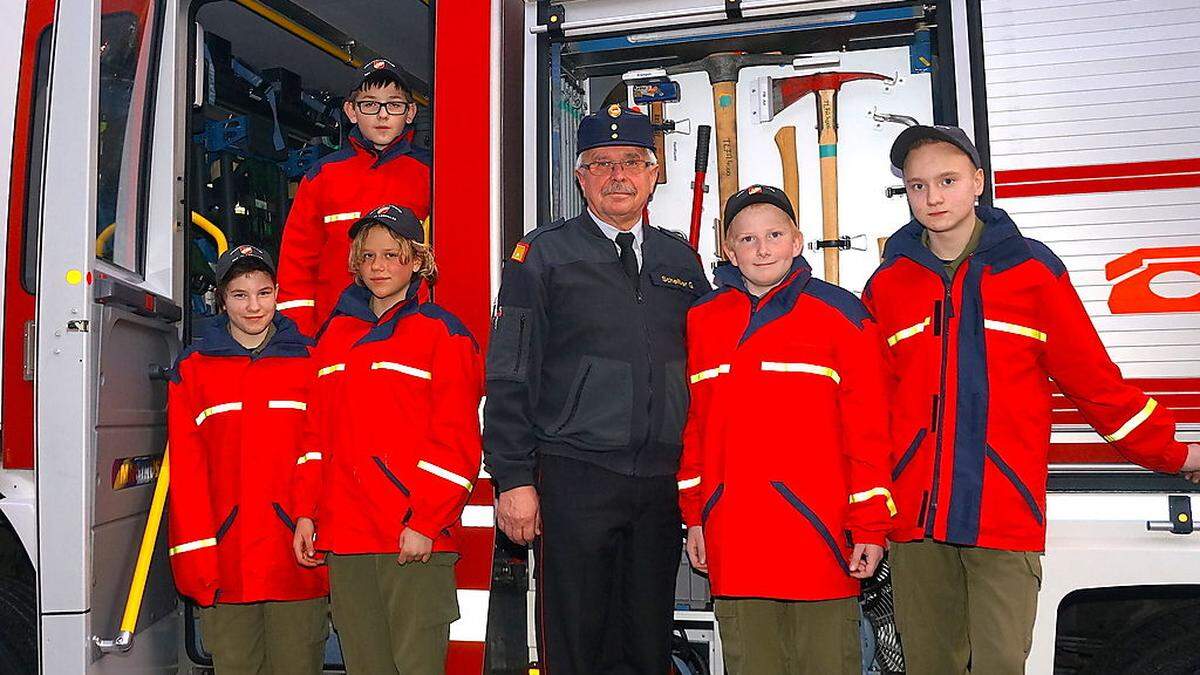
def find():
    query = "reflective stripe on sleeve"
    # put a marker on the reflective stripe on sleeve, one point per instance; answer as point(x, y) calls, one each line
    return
point(331, 369)
point(192, 546)
point(710, 373)
point(689, 483)
point(338, 217)
point(875, 492)
point(287, 405)
point(915, 329)
point(1015, 329)
point(293, 304)
point(445, 473)
point(216, 410)
point(309, 457)
point(1134, 422)
point(401, 368)
point(810, 368)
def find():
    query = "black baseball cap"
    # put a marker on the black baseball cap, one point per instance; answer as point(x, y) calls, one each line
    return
point(239, 253)
point(398, 219)
point(614, 125)
point(758, 194)
point(952, 135)
point(380, 66)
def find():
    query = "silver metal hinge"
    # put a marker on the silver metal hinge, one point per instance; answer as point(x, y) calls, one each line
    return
point(29, 350)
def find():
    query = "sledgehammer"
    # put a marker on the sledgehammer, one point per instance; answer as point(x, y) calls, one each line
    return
point(722, 69)
point(786, 91)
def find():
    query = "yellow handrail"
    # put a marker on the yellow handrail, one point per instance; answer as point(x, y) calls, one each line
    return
point(137, 588)
point(103, 237)
point(301, 32)
point(212, 230)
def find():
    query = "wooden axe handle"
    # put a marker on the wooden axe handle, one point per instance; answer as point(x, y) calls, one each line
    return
point(660, 141)
point(827, 145)
point(725, 112)
point(785, 140)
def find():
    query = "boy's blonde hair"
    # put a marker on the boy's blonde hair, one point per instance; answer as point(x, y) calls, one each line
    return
point(408, 251)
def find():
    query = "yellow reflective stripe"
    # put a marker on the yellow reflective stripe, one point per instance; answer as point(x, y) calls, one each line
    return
point(401, 368)
point(287, 405)
point(875, 492)
point(293, 304)
point(810, 368)
point(689, 483)
point(336, 217)
point(309, 457)
point(445, 473)
point(192, 546)
point(1015, 329)
point(217, 409)
point(915, 329)
point(710, 373)
point(331, 369)
point(1134, 422)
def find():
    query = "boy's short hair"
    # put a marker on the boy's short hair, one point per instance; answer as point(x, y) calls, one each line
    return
point(241, 268)
point(409, 250)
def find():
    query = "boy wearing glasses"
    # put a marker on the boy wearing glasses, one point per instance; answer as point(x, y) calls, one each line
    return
point(379, 165)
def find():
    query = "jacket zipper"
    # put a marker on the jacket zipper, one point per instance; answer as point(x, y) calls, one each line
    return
point(520, 345)
point(947, 311)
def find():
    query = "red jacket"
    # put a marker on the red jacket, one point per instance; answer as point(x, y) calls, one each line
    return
point(334, 193)
point(397, 426)
point(971, 361)
point(785, 449)
point(235, 426)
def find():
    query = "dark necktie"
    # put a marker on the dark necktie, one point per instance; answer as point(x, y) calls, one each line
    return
point(628, 257)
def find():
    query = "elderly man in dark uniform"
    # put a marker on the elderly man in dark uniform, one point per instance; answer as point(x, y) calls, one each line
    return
point(585, 409)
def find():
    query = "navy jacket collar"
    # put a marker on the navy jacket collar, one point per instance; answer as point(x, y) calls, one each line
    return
point(996, 246)
point(355, 302)
point(775, 303)
point(399, 147)
point(216, 340)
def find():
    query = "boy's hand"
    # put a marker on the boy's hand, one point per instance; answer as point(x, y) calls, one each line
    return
point(518, 513)
point(695, 548)
point(1191, 464)
point(304, 543)
point(414, 547)
point(864, 560)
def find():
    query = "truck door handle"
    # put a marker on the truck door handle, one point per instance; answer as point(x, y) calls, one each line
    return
point(1180, 507)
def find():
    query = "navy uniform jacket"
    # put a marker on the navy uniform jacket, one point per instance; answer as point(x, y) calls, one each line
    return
point(583, 365)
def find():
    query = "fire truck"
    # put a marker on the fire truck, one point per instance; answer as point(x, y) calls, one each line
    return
point(139, 138)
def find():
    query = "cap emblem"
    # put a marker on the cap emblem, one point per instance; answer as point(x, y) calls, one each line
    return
point(614, 110)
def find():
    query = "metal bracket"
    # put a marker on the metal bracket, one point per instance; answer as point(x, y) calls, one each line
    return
point(1180, 508)
point(890, 192)
point(733, 9)
point(552, 17)
point(857, 242)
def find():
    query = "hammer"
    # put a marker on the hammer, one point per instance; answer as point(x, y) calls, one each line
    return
point(788, 90)
point(722, 69)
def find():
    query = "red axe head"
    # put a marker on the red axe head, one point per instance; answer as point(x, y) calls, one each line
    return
point(787, 90)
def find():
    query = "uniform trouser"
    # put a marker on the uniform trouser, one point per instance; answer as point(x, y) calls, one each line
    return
point(267, 638)
point(391, 618)
point(606, 566)
point(789, 637)
point(963, 609)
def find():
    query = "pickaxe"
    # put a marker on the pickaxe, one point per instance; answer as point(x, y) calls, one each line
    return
point(722, 69)
point(788, 90)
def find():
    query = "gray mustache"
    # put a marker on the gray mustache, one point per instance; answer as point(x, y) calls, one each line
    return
point(620, 188)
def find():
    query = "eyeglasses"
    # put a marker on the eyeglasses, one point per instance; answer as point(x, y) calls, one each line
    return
point(605, 167)
point(373, 107)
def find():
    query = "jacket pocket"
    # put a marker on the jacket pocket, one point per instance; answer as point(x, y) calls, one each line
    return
point(226, 524)
point(599, 406)
point(390, 476)
point(1016, 483)
point(712, 501)
point(813, 520)
point(283, 516)
point(908, 454)
point(675, 403)
point(508, 353)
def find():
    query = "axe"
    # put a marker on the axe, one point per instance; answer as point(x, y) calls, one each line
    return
point(722, 69)
point(786, 91)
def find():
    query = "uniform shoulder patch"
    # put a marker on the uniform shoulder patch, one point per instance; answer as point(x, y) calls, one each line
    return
point(520, 251)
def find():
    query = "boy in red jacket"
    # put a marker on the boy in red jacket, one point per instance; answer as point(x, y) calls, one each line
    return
point(783, 482)
point(395, 454)
point(236, 408)
point(977, 321)
point(378, 165)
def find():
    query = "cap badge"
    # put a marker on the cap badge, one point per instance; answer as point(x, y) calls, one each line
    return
point(379, 63)
point(754, 189)
point(614, 110)
point(246, 250)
